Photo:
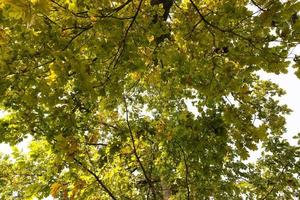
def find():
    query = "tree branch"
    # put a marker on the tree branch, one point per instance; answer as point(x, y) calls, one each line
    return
point(123, 41)
point(217, 27)
point(186, 171)
point(279, 176)
point(70, 11)
point(96, 144)
point(117, 56)
point(135, 150)
point(76, 36)
point(117, 9)
point(105, 188)
point(258, 6)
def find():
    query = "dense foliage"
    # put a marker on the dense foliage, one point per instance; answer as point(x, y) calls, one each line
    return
point(102, 88)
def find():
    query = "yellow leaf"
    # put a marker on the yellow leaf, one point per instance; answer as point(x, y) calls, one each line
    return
point(135, 75)
point(3, 37)
point(55, 189)
point(169, 136)
point(52, 77)
point(93, 18)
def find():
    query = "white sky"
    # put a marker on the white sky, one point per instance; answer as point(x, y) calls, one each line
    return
point(291, 84)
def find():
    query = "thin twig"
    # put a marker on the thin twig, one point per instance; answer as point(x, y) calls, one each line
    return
point(258, 6)
point(45, 63)
point(76, 36)
point(100, 182)
point(186, 171)
point(96, 144)
point(279, 176)
point(218, 28)
point(135, 149)
point(121, 47)
point(70, 11)
point(117, 9)
point(123, 42)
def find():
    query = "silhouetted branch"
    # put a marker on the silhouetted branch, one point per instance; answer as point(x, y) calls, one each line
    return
point(217, 27)
point(117, 9)
point(122, 45)
point(76, 36)
point(135, 149)
point(274, 185)
point(186, 171)
point(258, 6)
point(97, 179)
point(83, 14)
point(96, 144)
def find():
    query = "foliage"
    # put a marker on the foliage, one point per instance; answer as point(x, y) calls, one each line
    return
point(102, 87)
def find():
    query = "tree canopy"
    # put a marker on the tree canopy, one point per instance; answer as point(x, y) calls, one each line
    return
point(146, 99)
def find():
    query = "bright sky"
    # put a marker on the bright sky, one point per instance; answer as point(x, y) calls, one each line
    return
point(289, 82)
